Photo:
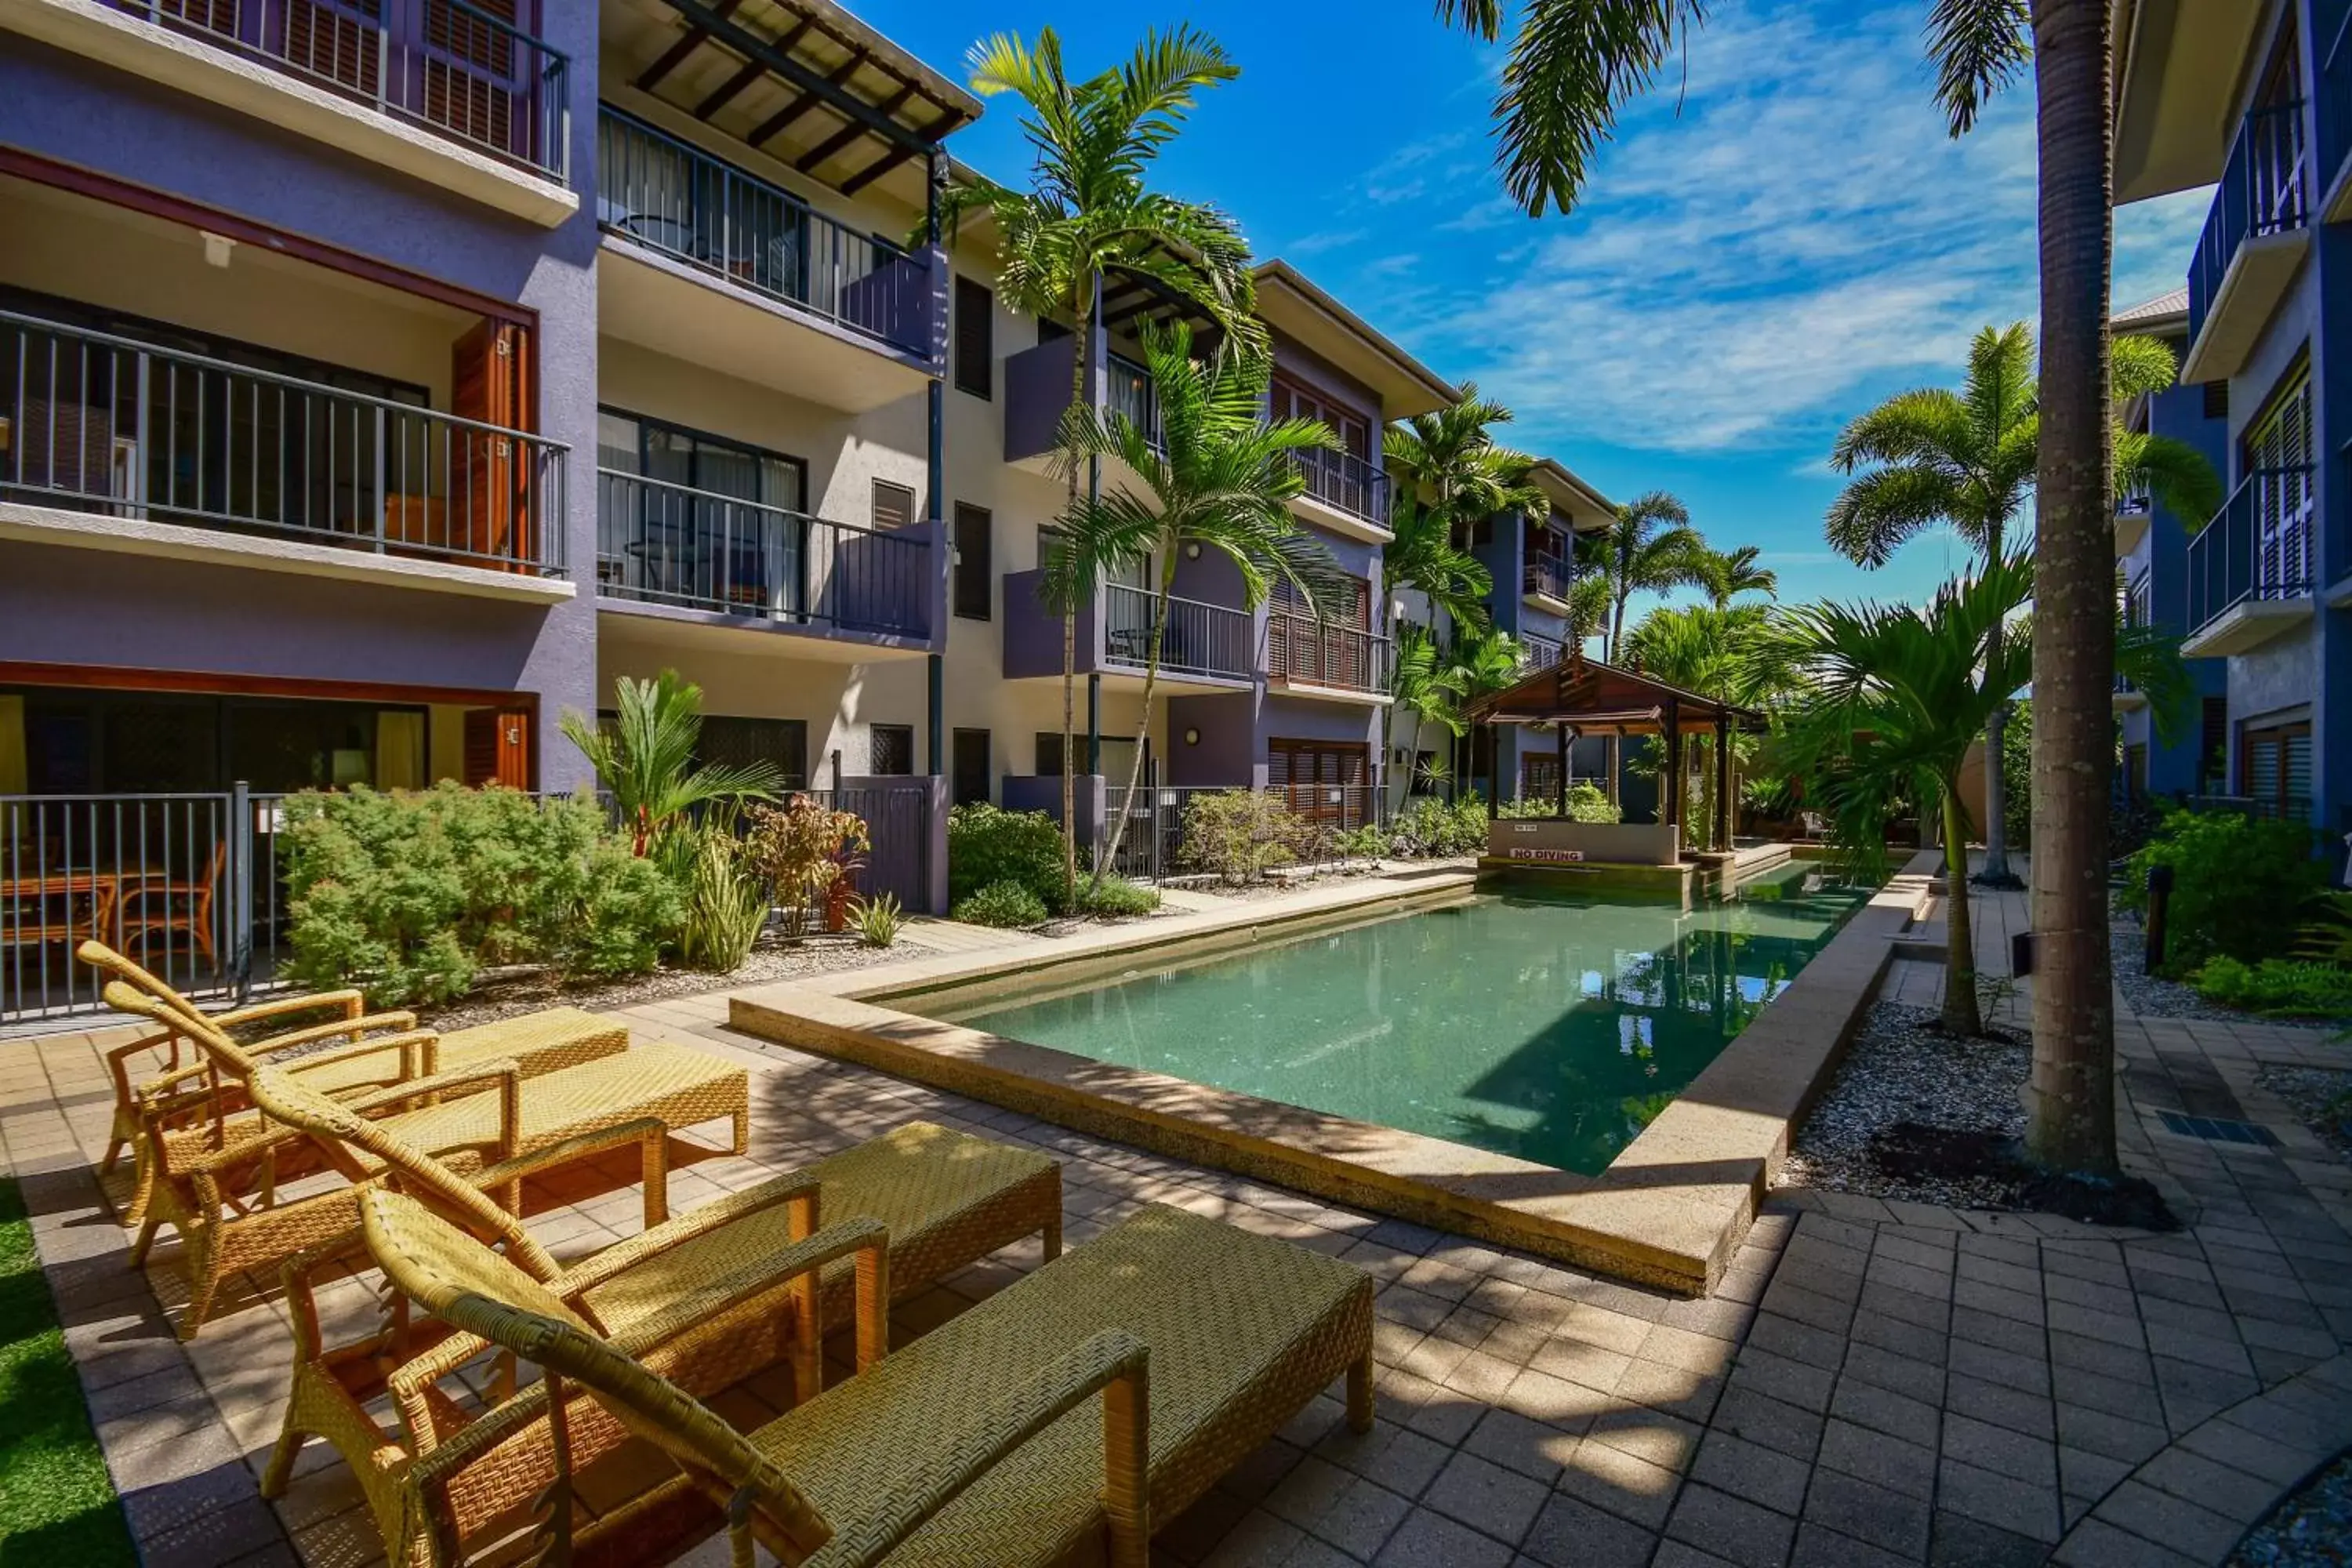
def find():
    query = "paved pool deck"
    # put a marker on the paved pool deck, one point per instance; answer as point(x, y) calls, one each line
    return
point(1868, 1383)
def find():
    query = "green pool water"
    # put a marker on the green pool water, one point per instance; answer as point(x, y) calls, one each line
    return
point(1547, 1027)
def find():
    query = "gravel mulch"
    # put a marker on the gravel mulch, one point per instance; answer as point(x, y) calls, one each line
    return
point(1902, 1068)
point(2312, 1529)
point(775, 959)
point(2152, 995)
point(2318, 1096)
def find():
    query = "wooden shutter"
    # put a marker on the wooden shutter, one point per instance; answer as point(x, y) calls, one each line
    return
point(342, 43)
point(975, 339)
point(469, 73)
point(486, 474)
point(498, 747)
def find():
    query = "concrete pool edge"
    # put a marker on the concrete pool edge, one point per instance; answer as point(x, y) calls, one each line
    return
point(1669, 1211)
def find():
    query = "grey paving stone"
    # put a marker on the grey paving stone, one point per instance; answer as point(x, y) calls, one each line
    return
point(1896, 1521)
point(1752, 1470)
point(2021, 1506)
point(1926, 1310)
point(1532, 1448)
point(1961, 1542)
point(1800, 1384)
point(2029, 1374)
point(1401, 1460)
point(1572, 1534)
point(1760, 1418)
point(1486, 1496)
point(2170, 1521)
point(2135, 1401)
point(1873, 1363)
point(2021, 1337)
point(1819, 1547)
point(1731, 1528)
point(1884, 1410)
point(2207, 1483)
point(1617, 1481)
point(2094, 1544)
point(1875, 1457)
point(1428, 1540)
point(2126, 1364)
point(1259, 1541)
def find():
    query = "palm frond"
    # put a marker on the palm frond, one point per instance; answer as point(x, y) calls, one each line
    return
point(2173, 473)
point(1873, 516)
point(2142, 366)
point(1979, 46)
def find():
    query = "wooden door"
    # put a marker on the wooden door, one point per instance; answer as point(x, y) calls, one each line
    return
point(488, 520)
point(498, 747)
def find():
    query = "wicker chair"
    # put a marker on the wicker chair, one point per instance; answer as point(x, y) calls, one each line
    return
point(192, 1110)
point(223, 1201)
point(975, 1444)
point(946, 1198)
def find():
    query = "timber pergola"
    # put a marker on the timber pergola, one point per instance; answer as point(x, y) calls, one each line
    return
point(1585, 697)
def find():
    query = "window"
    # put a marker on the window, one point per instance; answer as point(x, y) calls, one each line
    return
point(1539, 776)
point(2139, 603)
point(975, 339)
point(740, 743)
point(2276, 765)
point(1291, 401)
point(1322, 781)
point(974, 560)
point(1049, 752)
point(2217, 399)
point(890, 750)
point(672, 522)
point(971, 774)
point(2276, 460)
point(2213, 746)
point(894, 505)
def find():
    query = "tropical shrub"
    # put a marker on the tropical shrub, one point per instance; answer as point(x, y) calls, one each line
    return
point(877, 919)
point(1432, 828)
point(2239, 885)
point(644, 757)
point(1007, 904)
point(800, 850)
point(1116, 896)
point(410, 895)
point(2277, 987)
point(1586, 803)
point(1239, 835)
point(987, 845)
point(1369, 842)
point(725, 896)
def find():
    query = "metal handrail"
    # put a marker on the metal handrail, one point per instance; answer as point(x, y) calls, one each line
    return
point(1199, 637)
point(98, 422)
point(2262, 193)
point(1546, 577)
point(661, 542)
point(2259, 546)
point(460, 71)
point(1346, 481)
point(671, 196)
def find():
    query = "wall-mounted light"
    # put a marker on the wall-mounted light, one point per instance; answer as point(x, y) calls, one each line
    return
point(1192, 737)
point(217, 248)
point(1191, 550)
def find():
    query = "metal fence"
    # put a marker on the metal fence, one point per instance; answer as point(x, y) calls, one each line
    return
point(2262, 193)
point(2259, 546)
point(187, 884)
point(470, 76)
point(899, 824)
point(668, 544)
point(674, 197)
point(1199, 639)
point(1152, 846)
point(1346, 481)
point(99, 423)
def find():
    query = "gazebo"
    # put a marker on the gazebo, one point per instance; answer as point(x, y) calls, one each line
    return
point(1584, 697)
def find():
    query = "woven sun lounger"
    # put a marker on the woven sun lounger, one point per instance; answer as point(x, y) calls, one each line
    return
point(953, 1198)
point(192, 1106)
point(981, 1445)
point(224, 1229)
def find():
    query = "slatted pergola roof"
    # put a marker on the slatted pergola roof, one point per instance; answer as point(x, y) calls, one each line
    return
point(1596, 699)
point(803, 82)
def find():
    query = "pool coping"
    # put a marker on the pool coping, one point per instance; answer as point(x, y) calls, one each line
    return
point(1669, 1211)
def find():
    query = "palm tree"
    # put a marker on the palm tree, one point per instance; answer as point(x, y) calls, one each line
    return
point(1217, 476)
point(1573, 63)
point(1089, 210)
point(1738, 654)
point(1450, 458)
point(1423, 553)
point(1427, 688)
point(1736, 572)
point(647, 759)
point(1477, 662)
point(1589, 596)
point(1650, 547)
point(1965, 460)
point(1899, 695)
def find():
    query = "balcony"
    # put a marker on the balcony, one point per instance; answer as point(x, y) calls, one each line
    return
point(2134, 511)
point(1344, 493)
point(2250, 570)
point(835, 315)
point(2336, 127)
point(1544, 582)
point(2255, 238)
point(109, 443)
point(2129, 697)
point(1037, 391)
point(435, 88)
point(1326, 660)
point(727, 563)
point(1204, 648)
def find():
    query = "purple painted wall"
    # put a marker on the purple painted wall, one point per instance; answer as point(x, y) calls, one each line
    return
point(1226, 754)
point(1033, 637)
point(75, 111)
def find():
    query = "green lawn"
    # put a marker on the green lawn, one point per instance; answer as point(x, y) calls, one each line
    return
point(56, 1505)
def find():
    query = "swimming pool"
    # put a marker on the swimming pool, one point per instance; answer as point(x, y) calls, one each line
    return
point(1550, 1029)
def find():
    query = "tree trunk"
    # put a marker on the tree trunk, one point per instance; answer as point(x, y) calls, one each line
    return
point(1109, 855)
point(2072, 1126)
point(1081, 360)
point(1961, 1015)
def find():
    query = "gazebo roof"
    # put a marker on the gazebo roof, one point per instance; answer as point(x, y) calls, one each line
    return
point(1593, 696)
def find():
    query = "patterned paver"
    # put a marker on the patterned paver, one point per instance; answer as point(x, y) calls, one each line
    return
point(1873, 1383)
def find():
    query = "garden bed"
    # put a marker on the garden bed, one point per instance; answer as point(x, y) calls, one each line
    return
point(2321, 1099)
point(775, 959)
point(2312, 1529)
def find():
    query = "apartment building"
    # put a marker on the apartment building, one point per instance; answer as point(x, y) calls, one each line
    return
point(2256, 99)
point(377, 391)
point(2152, 564)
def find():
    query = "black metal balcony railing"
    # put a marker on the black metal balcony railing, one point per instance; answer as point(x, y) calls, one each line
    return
point(95, 423)
point(669, 544)
point(2134, 502)
point(2258, 546)
point(1347, 482)
point(2262, 193)
point(1131, 392)
point(1546, 577)
point(1199, 639)
point(676, 199)
point(1347, 658)
point(463, 73)
point(2336, 99)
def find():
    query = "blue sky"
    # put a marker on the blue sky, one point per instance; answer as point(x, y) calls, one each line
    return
point(1779, 236)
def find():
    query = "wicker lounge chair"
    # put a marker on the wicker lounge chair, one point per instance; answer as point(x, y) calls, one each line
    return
point(977, 1444)
point(190, 1103)
point(947, 1198)
point(227, 1225)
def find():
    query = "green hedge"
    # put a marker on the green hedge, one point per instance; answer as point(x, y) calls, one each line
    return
point(987, 846)
point(2239, 887)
